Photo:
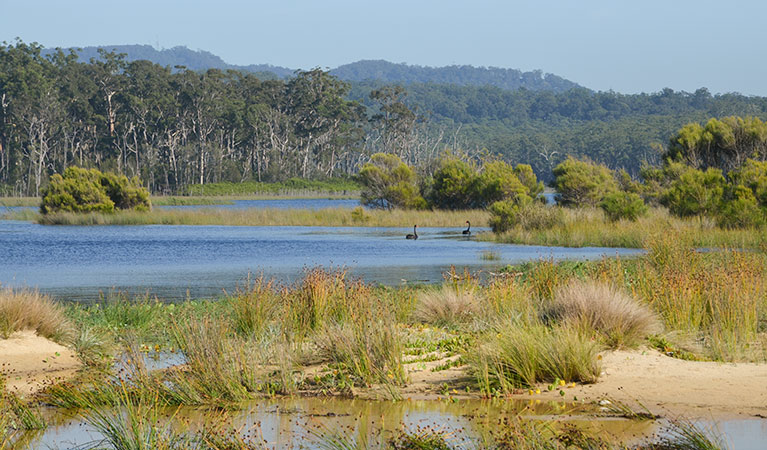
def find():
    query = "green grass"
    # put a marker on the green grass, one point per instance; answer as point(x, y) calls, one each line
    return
point(341, 217)
point(293, 187)
point(19, 201)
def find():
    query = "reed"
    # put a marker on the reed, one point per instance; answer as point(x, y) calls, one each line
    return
point(19, 201)
point(584, 227)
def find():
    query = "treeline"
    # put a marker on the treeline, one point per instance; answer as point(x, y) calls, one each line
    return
point(543, 128)
point(173, 129)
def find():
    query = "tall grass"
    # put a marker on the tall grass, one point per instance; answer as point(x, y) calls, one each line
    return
point(584, 227)
point(31, 310)
point(219, 369)
point(255, 306)
point(717, 298)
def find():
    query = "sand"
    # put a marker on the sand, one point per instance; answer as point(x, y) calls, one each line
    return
point(30, 362)
point(669, 386)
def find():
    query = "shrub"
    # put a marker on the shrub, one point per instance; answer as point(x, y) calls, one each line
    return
point(695, 192)
point(581, 183)
point(459, 185)
point(79, 190)
point(446, 307)
point(388, 183)
point(623, 205)
point(525, 213)
point(454, 185)
point(740, 210)
point(89, 190)
point(601, 308)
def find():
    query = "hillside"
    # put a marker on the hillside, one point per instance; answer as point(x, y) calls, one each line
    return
point(509, 79)
point(367, 70)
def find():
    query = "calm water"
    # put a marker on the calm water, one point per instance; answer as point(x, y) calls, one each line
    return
point(301, 203)
point(78, 262)
point(292, 423)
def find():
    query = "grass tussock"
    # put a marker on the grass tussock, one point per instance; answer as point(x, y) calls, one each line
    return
point(446, 307)
point(619, 319)
point(31, 310)
point(521, 355)
point(339, 217)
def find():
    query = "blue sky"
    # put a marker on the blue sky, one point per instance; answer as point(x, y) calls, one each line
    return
point(627, 46)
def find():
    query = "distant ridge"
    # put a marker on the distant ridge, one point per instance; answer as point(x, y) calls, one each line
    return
point(366, 70)
point(511, 79)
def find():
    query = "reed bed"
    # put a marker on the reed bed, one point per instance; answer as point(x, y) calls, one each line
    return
point(587, 227)
point(335, 217)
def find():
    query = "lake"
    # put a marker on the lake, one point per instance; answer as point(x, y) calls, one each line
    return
point(177, 262)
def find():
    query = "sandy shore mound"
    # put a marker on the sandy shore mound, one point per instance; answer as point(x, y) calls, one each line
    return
point(667, 385)
point(30, 362)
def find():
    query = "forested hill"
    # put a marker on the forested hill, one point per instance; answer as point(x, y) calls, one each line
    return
point(197, 60)
point(381, 71)
point(510, 79)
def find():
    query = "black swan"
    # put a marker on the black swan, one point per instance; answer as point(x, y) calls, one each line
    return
point(467, 231)
point(414, 235)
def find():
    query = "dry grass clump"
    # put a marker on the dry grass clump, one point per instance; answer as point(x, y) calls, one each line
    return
point(446, 307)
point(602, 308)
point(30, 310)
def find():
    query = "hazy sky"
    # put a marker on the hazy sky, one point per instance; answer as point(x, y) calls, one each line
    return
point(627, 46)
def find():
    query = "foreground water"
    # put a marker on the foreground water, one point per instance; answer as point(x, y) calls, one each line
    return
point(298, 422)
point(176, 262)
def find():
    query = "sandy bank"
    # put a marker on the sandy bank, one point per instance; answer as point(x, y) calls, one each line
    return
point(30, 362)
point(667, 385)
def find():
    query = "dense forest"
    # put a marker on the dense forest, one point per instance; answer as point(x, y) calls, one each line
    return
point(174, 126)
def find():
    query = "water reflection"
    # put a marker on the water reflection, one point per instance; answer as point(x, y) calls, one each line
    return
point(296, 422)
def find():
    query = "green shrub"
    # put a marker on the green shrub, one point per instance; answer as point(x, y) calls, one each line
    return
point(581, 183)
point(388, 183)
point(695, 192)
point(525, 213)
point(623, 205)
point(89, 190)
point(459, 185)
point(454, 185)
point(741, 210)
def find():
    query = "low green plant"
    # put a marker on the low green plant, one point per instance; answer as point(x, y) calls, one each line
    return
point(623, 205)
